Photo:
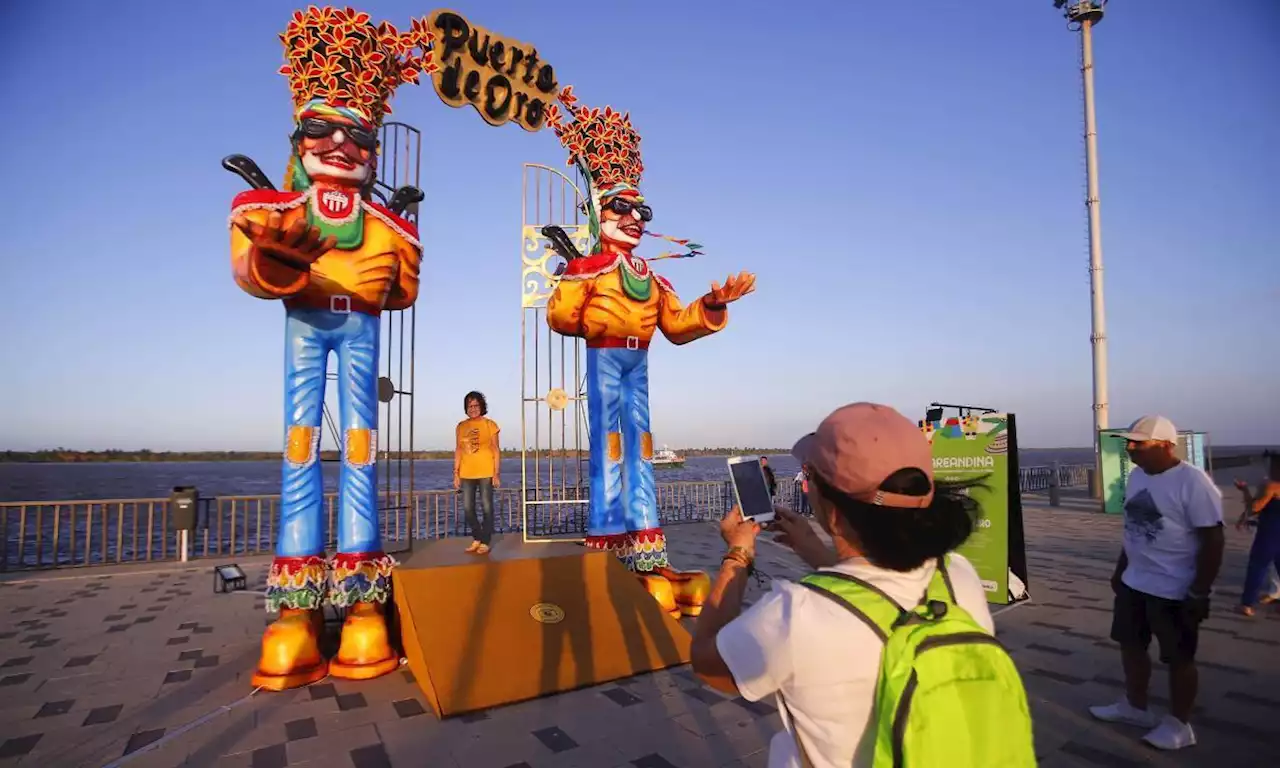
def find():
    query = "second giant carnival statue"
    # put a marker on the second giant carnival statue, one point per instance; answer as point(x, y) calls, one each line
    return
point(611, 298)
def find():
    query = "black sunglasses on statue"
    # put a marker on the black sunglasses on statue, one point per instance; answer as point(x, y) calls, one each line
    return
point(314, 128)
point(623, 206)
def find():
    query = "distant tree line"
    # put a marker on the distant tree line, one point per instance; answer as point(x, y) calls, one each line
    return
point(69, 455)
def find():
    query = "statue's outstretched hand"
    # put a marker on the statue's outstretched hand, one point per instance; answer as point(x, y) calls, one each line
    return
point(735, 287)
point(298, 245)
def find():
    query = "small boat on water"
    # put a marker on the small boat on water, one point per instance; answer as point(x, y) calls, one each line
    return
point(667, 459)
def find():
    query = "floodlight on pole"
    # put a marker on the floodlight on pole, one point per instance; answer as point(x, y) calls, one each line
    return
point(1084, 15)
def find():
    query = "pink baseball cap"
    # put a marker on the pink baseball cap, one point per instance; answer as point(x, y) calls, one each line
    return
point(860, 445)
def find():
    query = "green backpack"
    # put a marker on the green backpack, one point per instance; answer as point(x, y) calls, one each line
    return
point(948, 693)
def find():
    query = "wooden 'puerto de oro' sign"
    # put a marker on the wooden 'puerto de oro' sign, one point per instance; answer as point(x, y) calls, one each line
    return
point(502, 78)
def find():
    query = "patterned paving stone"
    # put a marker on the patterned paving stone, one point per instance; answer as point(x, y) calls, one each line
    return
point(350, 701)
point(53, 708)
point(19, 746)
point(555, 739)
point(100, 715)
point(274, 756)
point(372, 756)
point(653, 761)
point(296, 730)
point(408, 708)
point(141, 739)
point(622, 697)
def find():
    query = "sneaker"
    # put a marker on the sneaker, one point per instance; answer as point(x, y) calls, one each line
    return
point(1124, 712)
point(474, 546)
point(1172, 733)
point(483, 549)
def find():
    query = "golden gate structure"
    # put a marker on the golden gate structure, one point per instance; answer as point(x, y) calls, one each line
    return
point(553, 406)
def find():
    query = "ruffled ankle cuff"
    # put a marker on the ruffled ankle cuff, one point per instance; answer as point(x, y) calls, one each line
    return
point(296, 582)
point(363, 577)
point(648, 550)
point(617, 543)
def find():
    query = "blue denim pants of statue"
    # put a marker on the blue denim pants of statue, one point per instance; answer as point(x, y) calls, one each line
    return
point(310, 335)
point(623, 494)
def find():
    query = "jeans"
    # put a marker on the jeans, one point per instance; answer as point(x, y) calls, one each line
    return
point(1263, 556)
point(480, 531)
point(624, 497)
point(310, 335)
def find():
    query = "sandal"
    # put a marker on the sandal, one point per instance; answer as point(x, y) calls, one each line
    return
point(1247, 610)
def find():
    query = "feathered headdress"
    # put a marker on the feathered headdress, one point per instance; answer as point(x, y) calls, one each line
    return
point(338, 62)
point(605, 147)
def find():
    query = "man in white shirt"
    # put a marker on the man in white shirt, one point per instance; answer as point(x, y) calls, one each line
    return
point(871, 488)
point(1173, 544)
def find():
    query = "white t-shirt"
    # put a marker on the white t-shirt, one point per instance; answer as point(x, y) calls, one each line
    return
point(825, 661)
point(1161, 515)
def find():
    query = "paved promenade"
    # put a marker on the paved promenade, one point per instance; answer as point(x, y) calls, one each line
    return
point(147, 667)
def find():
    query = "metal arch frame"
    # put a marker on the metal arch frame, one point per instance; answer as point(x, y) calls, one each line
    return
point(537, 283)
point(400, 164)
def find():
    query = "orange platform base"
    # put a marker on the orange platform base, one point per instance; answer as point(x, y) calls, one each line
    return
point(525, 621)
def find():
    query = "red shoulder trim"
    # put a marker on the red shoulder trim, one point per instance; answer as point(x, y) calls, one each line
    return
point(266, 197)
point(664, 282)
point(404, 224)
point(589, 265)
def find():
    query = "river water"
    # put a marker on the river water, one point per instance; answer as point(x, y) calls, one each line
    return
point(130, 480)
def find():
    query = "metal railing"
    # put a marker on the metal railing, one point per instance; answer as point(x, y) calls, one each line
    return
point(64, 534)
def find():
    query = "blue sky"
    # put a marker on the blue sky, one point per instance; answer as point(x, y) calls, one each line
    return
point(905, 179)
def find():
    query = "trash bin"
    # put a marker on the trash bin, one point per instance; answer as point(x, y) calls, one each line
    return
point(182, 508)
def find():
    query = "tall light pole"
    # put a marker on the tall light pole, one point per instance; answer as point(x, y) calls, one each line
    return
point(1084, 15)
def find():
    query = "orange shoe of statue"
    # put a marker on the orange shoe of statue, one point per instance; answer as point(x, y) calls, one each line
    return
point(691, 589)
point(365, 651)
point(661, 590)
point(291, 652)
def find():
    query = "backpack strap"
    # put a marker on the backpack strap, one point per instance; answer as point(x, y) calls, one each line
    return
point(865, 600)
point(940, 586)
point(870, 603)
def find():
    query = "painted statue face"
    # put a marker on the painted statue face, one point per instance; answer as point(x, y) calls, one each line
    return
point(337, 151)
point(622, 221)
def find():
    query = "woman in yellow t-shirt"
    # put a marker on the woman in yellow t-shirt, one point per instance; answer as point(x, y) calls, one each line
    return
point(477, 464)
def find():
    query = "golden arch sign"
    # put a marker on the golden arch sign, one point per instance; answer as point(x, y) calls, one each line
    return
point(502, 78)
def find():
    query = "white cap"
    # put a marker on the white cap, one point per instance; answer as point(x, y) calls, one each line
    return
point(1152, 427)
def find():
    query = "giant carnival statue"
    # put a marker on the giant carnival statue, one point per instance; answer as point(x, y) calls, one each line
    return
point(612, 299)
point(337, 259)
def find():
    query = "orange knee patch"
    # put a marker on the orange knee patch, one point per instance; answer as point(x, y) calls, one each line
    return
point(615, 446)
point(359, 446)
point(298, 448)
point(646, 446)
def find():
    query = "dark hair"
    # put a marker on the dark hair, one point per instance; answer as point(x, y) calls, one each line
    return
point(905, 539)
point(479, 398)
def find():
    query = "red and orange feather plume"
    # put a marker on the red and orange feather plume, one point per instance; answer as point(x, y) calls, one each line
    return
point(603, 141)
point(338, 56)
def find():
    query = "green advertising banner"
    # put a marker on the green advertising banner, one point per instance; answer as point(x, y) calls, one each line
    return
point(980, 449)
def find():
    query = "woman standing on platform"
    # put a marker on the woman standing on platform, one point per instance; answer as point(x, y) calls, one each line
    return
point(477, 465)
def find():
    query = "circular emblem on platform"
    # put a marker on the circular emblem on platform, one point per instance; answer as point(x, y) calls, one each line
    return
point(557, 399)
point(547, 613)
